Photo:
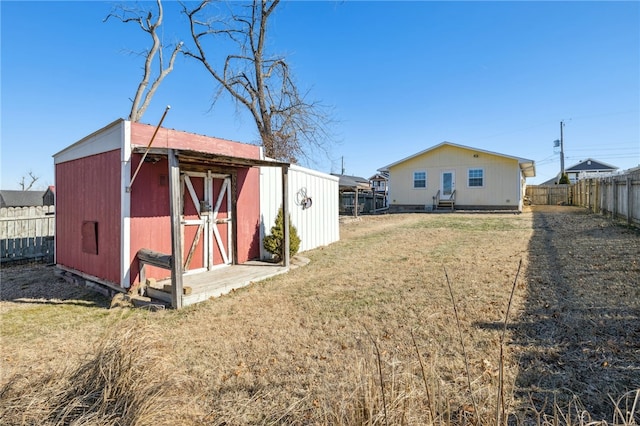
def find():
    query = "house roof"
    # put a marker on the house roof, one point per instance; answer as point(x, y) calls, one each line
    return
point(379, 176)
point(527, 166)
point(11, 198)
point(591, 165)
point(352, 182)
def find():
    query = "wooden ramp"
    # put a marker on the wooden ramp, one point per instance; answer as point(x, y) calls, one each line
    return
point(205, 285)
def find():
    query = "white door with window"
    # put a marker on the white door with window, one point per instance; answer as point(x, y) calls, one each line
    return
point(447, 184)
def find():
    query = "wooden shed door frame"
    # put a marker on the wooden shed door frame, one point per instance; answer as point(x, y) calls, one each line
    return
point(207, 221)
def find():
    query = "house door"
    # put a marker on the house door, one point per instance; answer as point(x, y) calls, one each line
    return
point(447, 183)
point(206, 218)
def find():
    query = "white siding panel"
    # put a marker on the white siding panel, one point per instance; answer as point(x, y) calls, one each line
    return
point(318, 225)
point(109, 138)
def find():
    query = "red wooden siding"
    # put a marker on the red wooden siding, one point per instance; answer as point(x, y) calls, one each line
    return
point(248, 214)
point(150, 216)
point(168, 138)
point(150, 224)
point(88, 190)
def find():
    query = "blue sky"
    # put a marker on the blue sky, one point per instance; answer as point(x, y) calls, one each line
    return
point(400, 77)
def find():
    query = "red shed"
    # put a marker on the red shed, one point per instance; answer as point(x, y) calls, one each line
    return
point(132, 195)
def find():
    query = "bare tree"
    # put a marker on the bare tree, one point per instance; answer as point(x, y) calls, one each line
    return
point(289, 126)
point(23, 181)
point(144, 94)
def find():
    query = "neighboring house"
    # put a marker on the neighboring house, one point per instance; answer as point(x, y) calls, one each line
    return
point(49, 196)
point(456, 176)
point(589, 168)
point(121, 205)
point(380, 186)
point(352, 189)
point(11, 198)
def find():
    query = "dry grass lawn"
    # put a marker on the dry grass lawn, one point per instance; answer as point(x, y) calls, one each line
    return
point(366, 333)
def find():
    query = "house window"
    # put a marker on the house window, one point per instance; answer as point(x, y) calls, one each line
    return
point(476, 178)
point(419, 180)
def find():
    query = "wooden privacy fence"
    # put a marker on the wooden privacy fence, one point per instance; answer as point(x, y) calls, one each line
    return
point(616, 196)
point(549, 194)
point(27, 233)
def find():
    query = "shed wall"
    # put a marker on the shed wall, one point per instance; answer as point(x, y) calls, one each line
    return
point(150, 223)
point(88, 190)
point(317, 225)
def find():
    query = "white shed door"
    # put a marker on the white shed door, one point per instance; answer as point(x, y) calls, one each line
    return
point(206, 221)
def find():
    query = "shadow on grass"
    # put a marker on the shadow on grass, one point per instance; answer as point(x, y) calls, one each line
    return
point(579, 335)
point(36, 283)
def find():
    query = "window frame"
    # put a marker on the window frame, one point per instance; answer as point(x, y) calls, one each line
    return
point(469, 177)
point(415, 172)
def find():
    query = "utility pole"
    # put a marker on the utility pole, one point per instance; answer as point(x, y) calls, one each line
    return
point(561, 149)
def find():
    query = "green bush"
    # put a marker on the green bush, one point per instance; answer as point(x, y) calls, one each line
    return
point(564, 179)
point(274, 243)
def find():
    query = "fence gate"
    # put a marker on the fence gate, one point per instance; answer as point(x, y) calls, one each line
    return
point(549, 195)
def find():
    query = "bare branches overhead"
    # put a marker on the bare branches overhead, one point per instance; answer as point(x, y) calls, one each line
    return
point(231, 45)
point(145, 20)
point(27, 183)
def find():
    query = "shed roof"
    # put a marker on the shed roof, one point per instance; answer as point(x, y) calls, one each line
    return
point(13, 198)
point(187, 156)
point(527, 166)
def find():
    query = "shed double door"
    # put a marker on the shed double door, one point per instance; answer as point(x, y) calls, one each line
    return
point(206, 221)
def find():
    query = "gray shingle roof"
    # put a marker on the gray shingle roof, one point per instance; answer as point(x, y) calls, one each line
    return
point(12, 198)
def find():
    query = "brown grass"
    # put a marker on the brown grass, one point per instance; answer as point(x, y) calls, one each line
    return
point(364, 334)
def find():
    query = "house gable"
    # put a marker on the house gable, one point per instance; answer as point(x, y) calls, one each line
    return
point(481, 179)
point(590, 165)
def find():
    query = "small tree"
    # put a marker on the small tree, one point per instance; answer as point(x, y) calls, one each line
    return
point(274, 243)
point(564, 180)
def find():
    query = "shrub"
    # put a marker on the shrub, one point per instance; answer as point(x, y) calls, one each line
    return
point(274, 243)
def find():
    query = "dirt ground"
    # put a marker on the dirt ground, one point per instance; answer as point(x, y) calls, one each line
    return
point(579, 333)
point(302, 348)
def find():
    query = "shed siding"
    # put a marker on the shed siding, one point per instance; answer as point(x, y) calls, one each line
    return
point(151, 221)
point(248, 220)
point(150, 224)
point(88, 189)
point(318, 225)
point(500, 188)
point(168, 138)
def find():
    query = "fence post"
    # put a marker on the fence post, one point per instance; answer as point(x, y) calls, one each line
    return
point(629, 200)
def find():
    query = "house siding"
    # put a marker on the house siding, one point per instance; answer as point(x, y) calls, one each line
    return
point(499, 190)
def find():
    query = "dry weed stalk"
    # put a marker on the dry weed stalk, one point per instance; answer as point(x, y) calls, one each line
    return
point(500, 410)
point(379, 360)
point(430, 407)
point(464, 351)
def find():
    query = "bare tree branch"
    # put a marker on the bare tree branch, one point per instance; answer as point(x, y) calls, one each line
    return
point(290, 127)
point(23, 181)
point(145, 93)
